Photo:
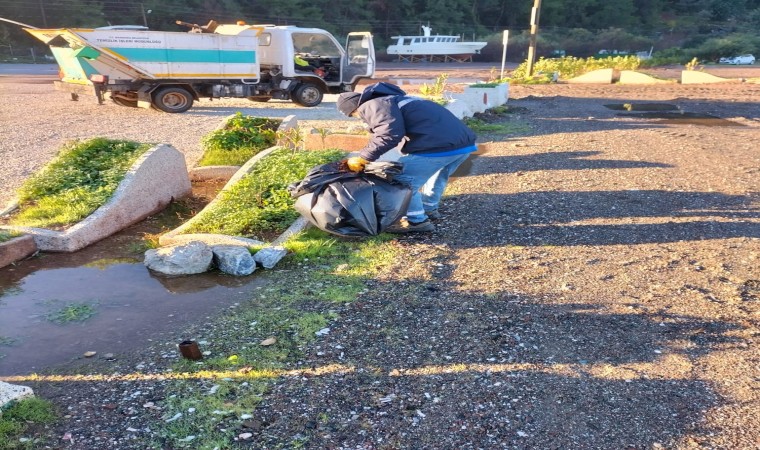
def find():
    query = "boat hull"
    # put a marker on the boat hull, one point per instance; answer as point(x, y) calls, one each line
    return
point(459, 48)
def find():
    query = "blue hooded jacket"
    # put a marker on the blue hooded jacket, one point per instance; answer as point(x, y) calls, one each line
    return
point(429, 128)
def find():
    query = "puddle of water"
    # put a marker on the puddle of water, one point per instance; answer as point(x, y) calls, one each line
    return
point(132, 305)
point(686, 118)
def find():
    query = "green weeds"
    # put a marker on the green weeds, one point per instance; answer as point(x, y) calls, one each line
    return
point(16, 419)
point(241, 138)
point(260, 201)
point(77, 182)
point(6, 236)
point(435, 91)
point(569, 67)
point(74, 312)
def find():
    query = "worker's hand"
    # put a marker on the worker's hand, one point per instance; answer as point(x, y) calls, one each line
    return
point(356, 163)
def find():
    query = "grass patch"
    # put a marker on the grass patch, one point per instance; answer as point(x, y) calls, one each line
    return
point(260, 201)
point(6, 235)
point(495, 121)
point(485, 85)
point(17, 419)
point(298, 301)
point(78, 181)
point(241, 138)
point(74, 312)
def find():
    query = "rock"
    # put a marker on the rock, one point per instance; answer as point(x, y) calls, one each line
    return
point(90, 354)
point(268, 341)
point(268, 257)
point(233, 259)
point(12, 392)
point(185, 259)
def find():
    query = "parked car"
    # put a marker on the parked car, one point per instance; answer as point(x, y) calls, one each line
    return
point(741, 59)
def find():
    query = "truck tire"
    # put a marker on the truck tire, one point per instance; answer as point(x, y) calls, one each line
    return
point(307, 94)
point(259, 98)
point(172, 99)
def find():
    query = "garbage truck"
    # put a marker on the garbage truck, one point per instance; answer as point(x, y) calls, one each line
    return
point(170, 70)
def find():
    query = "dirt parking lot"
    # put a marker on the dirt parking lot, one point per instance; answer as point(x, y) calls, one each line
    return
point(594, 284)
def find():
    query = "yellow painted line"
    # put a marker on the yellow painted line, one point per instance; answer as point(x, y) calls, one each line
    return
point(243, 373)
point(624, 372)
point(113, 53)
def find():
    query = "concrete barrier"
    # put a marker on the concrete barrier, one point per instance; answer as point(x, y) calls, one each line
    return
point(180, 234)
point(599, 76)
point(17, 249)
point(154, 180)
point(633, 77)
point(697, 77)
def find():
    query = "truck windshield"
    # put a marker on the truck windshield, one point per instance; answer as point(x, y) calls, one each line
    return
point(315, 44)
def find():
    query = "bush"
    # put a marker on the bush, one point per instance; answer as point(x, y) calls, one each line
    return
point(570, 66)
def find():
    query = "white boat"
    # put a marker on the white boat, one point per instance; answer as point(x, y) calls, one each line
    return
point(433, 48)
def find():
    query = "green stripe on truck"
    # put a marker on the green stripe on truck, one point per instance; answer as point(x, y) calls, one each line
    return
point(185, 55)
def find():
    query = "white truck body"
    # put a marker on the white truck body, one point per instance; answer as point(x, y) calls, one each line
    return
point(169, 70)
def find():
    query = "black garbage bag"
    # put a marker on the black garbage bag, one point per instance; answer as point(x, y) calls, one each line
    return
point(352, 204)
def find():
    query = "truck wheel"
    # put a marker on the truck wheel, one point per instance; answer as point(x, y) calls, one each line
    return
point(259, 98)
point(172, 99)
point(307, 94)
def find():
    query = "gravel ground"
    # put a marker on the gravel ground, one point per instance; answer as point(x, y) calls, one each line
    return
point(594, 283)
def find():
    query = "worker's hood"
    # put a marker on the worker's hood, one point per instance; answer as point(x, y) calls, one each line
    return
point(381, 89)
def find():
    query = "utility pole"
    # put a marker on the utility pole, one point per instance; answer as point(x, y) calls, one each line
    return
point(535, 12)
point(145, 17)
point(44, 17)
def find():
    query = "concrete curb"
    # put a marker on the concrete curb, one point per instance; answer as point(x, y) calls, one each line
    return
point(208, 173)
point(697, 77)
point(599, 76)
point(155, 179)
point(17, 249)
point(633, 77)
point(178, 235)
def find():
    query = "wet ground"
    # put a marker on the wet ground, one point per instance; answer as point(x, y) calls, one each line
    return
point(55, 307)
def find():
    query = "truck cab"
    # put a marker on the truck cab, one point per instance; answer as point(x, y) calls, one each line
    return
point(339, 68)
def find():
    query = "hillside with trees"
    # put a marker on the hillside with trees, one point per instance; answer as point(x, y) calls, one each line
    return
point(675, 30)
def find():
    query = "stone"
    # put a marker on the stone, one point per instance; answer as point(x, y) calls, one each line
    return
point(13, 392)
point(185, 259)
point(233, 259)
point(268, 257)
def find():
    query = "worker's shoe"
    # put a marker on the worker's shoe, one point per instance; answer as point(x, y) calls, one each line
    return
point(403, 226)
point(433, 214)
